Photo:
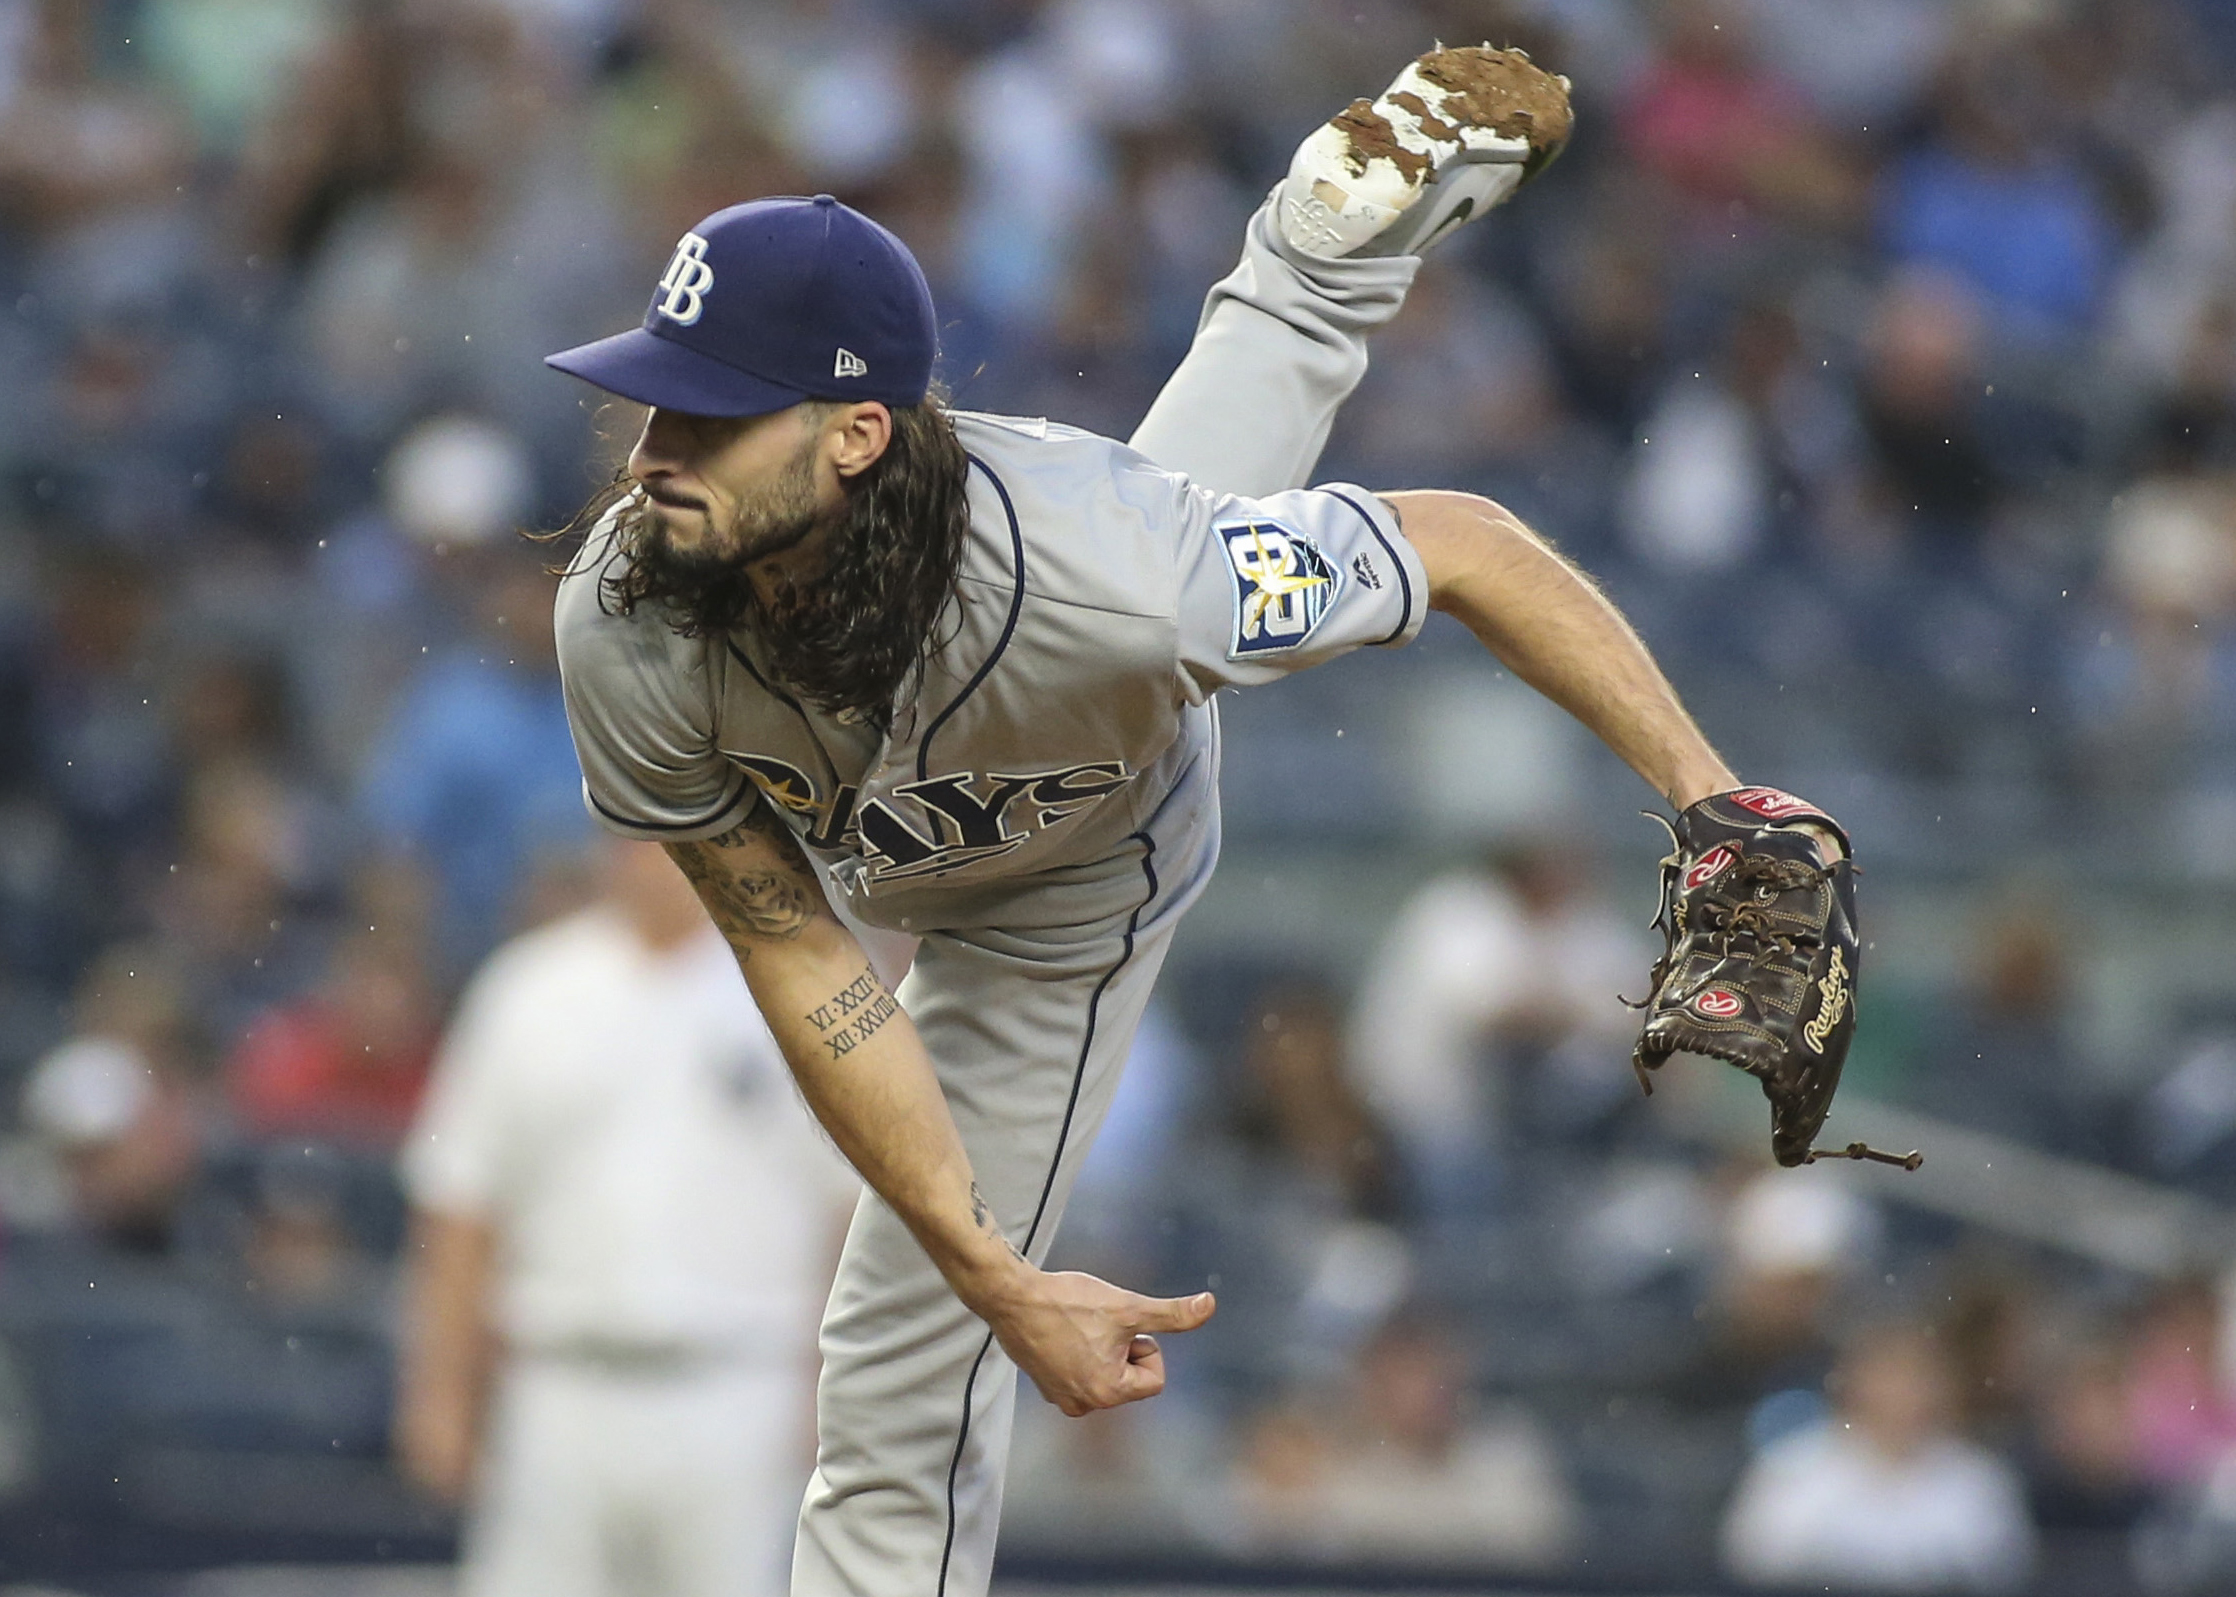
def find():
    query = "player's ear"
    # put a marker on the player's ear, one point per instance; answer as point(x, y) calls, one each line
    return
point(857, 436)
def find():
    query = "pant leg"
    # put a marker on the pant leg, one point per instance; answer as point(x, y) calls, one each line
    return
point(1281, 345)
point(722, 1487)
point(537, 1524)
point(1029, 1030)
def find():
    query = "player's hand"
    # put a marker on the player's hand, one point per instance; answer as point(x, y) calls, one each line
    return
point(1088, 1344)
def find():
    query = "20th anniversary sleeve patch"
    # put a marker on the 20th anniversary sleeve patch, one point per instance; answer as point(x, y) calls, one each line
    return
point(1283, 585)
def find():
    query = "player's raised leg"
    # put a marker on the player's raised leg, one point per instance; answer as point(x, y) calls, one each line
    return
point(1328, 259)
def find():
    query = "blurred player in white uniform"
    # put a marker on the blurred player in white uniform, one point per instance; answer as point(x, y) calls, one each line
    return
point(624, 1226)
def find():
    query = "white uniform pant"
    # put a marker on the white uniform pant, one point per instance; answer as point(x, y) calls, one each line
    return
point(1027, 1006)
point(646, 1479)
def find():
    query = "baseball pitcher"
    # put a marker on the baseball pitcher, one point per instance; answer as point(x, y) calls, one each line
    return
point(834, 642)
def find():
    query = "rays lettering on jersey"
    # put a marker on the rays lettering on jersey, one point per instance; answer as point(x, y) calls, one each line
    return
point(967, 817)
point(977, 817)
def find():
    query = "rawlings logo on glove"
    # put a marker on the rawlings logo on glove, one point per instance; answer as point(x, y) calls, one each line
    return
point(1760, 958)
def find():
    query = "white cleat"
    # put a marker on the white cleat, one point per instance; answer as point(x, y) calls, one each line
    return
point(1458, 132)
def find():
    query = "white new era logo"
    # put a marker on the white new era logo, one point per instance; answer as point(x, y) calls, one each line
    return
point(686, 281)
point(849, 364)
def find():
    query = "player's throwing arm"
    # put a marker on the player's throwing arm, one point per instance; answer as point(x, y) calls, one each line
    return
point(868, 1079)
point(1757, 898)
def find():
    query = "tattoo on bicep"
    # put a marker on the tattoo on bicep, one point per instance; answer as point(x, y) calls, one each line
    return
point(853, 1014)
point(748, 893)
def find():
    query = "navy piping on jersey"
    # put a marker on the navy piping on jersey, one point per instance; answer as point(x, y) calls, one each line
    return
point(1405, 583)
point(1048, 1185)
point(745, 785)
point(1009, 627)
point(830, 768)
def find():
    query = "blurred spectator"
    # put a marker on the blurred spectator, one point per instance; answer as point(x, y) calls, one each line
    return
point(1493, 997)
point(237, 909)
point(476, 776)
point(1791, 1244)
point(2005, 1061)
point(2159, 688)
point(1738, 455)
point(2082, 1466)
point(1920, 395)
point(116, 1105)
point(302, 1261)
point(1709, 120)
point(230, 61)
point(1994, 1331)
point(491, 239)
point(1408, 1472)
point(1290, 1187)
point(78, 144)
point(1297, 1105)
point(347, 1063)
point(2179, 1402)
point(624, 1220)
point(1887, 1496)
point(1996, 198)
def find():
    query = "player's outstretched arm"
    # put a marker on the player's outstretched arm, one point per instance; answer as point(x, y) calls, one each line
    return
point(866, 1076)
point(1552, 627)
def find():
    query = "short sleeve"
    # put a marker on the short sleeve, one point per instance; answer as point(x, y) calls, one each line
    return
point(639, 706)
point(454, 1158)
point(1272, 585)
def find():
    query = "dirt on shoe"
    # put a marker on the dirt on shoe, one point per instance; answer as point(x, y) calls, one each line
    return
point(1372, 137)
point(1502, 90)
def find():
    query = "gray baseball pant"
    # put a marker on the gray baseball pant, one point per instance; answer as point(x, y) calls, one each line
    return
point(1027, 1001)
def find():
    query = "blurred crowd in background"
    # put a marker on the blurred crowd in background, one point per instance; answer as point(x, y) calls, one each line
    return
point(1879, 355)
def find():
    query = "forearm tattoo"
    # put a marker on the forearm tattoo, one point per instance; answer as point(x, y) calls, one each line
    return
point(853, 1014)
point(753, 879)
point(982, 1216)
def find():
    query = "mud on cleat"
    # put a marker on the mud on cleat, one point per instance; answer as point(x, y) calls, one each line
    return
point(1458, 132)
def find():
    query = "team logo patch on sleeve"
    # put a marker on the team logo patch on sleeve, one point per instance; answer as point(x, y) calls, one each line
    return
point(1283, 585)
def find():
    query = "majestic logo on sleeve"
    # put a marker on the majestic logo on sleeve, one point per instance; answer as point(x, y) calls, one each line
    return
point(1283, 585)
point(683, 286)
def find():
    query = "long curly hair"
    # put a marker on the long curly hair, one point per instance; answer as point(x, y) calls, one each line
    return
point(848, 640)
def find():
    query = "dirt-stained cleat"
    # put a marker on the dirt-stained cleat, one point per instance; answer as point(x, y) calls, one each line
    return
point(1458, 132)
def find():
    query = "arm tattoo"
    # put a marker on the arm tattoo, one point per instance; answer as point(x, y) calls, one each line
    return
point(982, 1216)
point(753, 879)
point(853, 1014)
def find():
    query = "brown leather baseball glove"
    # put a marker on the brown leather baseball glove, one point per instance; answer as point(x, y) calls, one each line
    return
point(1760, 963)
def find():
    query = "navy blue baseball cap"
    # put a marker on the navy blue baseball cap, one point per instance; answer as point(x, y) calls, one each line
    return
point(769, 303)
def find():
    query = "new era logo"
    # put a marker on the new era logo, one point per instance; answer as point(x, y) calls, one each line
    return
point(849, 364)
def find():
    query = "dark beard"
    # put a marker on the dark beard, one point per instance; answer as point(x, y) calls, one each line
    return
point(808, 631)
point(847, 639)
point(703, 586)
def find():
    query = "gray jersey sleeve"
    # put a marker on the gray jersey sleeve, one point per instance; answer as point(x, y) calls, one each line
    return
point(641, 707)
point(1272, 585)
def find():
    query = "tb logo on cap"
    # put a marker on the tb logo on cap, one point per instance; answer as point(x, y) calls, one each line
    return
point(686, 281)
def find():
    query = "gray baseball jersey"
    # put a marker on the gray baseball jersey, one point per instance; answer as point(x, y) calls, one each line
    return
point(1043, 811)
point(1102, 600)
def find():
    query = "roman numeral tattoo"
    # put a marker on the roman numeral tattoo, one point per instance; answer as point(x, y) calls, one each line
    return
point(853, 1014)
